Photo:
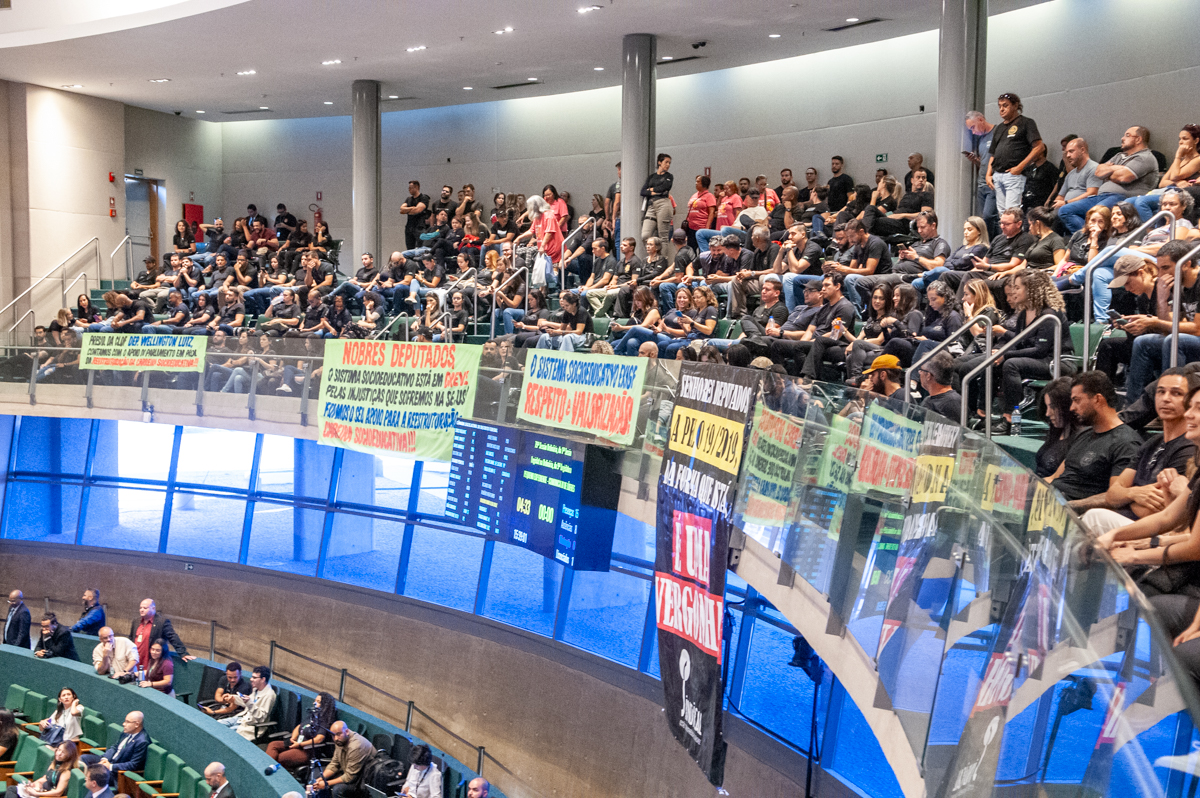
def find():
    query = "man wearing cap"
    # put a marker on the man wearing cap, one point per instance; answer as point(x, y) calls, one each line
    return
point(883, 378)
point(798, 322)
point(667, 283)
point(747, 282)
point(1152, 347)
point(1137, 275)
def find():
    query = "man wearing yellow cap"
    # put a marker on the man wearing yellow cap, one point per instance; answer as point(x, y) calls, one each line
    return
point(884, 377)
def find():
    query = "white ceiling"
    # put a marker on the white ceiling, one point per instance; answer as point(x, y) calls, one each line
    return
point(286, 41)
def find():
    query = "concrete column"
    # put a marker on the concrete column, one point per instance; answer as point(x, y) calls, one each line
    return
point(366, 175)
point(962, 51)
point(639, 53)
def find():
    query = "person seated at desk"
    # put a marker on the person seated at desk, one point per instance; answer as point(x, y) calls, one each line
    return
point(66, 716)
point(95, 783)
point(424, 780)
point(58, 775)
point(114, 656)
point(223, 702)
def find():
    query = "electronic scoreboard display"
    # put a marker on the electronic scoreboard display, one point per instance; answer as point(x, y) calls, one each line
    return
point(553, 496)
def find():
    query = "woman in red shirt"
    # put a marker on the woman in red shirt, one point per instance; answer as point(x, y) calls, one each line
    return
point(701, 209)
point(727, 213)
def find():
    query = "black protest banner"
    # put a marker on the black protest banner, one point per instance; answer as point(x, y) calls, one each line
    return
point(696, 496)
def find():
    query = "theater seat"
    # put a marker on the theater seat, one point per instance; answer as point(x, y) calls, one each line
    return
point(169, 784)
point(24, 761)
point(156, 762)
point(15, 698)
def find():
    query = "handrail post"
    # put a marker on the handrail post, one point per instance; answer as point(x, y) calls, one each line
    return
point(212, 641)
point(1175, 313)
point(479, 762)
point(49, 274)
point(511, 277)
point(271, 657)
point(1095, 262)
point(342, 686)
point(304, 393)
point(562, 258)
point(408, 717)
point(253, 387)
point(941, 345)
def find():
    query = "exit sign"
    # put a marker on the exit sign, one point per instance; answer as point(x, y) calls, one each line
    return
point(881, 158)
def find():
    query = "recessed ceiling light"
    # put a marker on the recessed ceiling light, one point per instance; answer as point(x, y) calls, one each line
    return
point(587, 9)
point(331, 63)
point(393, 96)
point(852, 19)
point(499, 33)
point(772, 35)
point(199, 112)
point(247, 72)
point(73, 86)
point(263, 108)
point(668, 58)
point(598, 69)
point(468, 88)
point(414, 49)
point(508, 28)
point(328, 103)
point(532, 79)
point(160, 80)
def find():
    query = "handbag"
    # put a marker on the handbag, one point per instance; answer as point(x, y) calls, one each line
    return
point(53, 735)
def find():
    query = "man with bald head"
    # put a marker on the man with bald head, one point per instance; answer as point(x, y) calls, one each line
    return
point(114, 656)
point(151, 626)
point(479, 788)
point(214, 776)
point(128, 753)
point(16, 624)
point(351, 753)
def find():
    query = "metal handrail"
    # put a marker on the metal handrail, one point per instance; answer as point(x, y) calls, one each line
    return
point(991, 360)
point(73, 283)
point(1104, 255)
point(18, 321)
point(112, 266)
point(945, 343)
point(500, 287)
point(445, 318)
point(1175, 309)
point(562, 258)
point(50, 273)
point(461, 277)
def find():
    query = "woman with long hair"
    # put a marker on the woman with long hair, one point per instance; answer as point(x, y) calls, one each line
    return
point(962, 260)
point(85, 314)
point(1055, 400)
point(68, 714)
point(943, 315)
point(294, 754)
point(642, 325)
point(699, 324)
point(58, 775)
point(1083, 245)
point(669, 328)
point(1050, 250)
point(530, 327)
point(8, 736)
point(867, 345)
point(161, 673)
point(183, 242)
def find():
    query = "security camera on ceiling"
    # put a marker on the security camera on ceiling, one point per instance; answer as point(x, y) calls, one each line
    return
point(698, 45)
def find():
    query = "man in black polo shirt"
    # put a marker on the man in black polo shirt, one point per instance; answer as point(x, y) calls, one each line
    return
point(918, 199)
point(748, 282)
point(1101, 451)
point(928, 254)
point(869, 260)
point(840, 185)
point(416, 208)
point(798, 322)
point(792, 353)
point(1006, 253)
point(770, 310)
point(317, 275)
point(937, 376)
point(799, 261)
point(601, 299)
point(285, 223)
point(1016, 141)
point(1135, 493)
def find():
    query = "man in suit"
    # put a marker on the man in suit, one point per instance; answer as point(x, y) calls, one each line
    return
point(95, 782)
point(214, 776)
point(151, 626)
point(16, 624)
point(129, 752)
point(56, 640)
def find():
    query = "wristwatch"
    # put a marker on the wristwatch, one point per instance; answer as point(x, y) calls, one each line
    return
point(1154, 542)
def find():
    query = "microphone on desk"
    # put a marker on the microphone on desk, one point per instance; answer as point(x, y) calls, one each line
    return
point(271, 769)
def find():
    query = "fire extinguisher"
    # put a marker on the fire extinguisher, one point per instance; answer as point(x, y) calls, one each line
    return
point(317, 215)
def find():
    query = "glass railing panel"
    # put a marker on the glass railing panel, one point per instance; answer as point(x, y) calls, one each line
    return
point(443, 568)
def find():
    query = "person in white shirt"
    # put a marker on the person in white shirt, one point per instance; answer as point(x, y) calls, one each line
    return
point(424, 779)
point(257, 705)
point(67, 714)
point(114, 656)
point(214, 776)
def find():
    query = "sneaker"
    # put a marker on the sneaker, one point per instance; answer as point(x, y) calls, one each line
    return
point(284, 389)
point(1184, 763)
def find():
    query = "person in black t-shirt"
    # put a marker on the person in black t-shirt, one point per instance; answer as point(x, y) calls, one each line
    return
point(899, 222)
point(1005, 254)
point(1016, 142)
point(285, 223)
point(1101, 451)
point(1136, 492)
point(937, 375)
point(840, 185)
point(770, 313)
point(870, 259)
point(444, 203)
point(916, 163)
point(570, 333)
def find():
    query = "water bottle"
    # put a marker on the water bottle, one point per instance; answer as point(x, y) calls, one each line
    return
point(1015, 427)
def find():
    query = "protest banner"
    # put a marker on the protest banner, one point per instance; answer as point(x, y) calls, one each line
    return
point(122, 352)
point(396, 398)
point(886, 461)
point(595, 394)
point(771, 460)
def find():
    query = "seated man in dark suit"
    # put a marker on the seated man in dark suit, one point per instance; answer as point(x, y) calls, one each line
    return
point(95, 783)
point(214, 776)
point(56, 640)
point(129, 752)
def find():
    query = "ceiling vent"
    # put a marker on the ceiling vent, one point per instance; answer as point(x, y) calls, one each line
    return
point(518, 85)
point(858, 24)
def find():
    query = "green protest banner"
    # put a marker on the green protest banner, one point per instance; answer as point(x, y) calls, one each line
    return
point(771, 461)
point(838, 455)
point(595, 394)
point(121, 352)
point(396, 398)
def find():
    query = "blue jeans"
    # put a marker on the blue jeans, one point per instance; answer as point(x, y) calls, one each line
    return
point(850, 289)
point(1009, 190)
point(793, 288)
point(238, 382)
point(985, 203)
point(702, 236)
point(1101, 277)
point(632, 340)
point(1189, 349)
point(1147, 205)
point(565, 343)
point(1151, 351)
point(1073, 214)
point(667, 292)
point(508, 317)
point(258, 299)
point(928, 278)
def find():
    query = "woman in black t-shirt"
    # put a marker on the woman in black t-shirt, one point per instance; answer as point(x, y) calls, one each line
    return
point(1055, 399)
point(530, 327)
point(1050, 250)
point(183, 241)
point(456, 324)
point(643, 324)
